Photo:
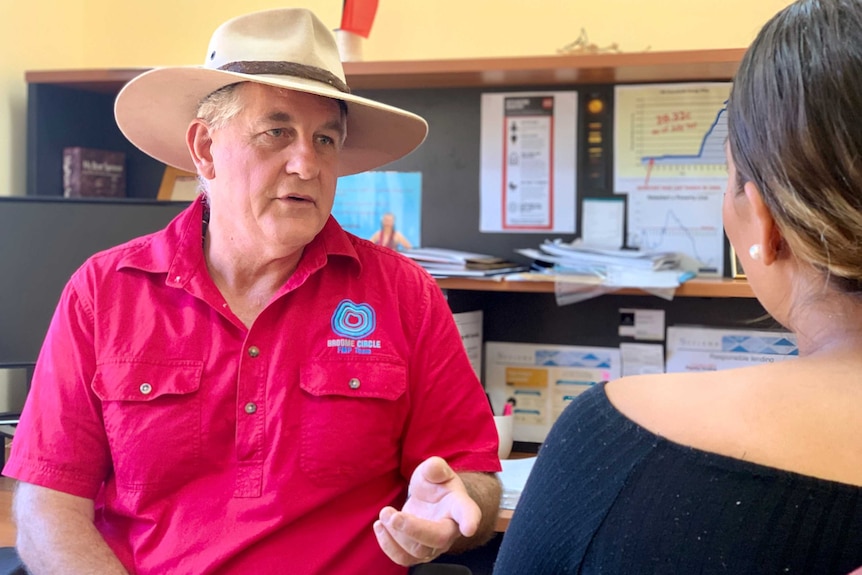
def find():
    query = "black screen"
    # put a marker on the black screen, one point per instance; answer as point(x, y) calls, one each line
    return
point(42, 242)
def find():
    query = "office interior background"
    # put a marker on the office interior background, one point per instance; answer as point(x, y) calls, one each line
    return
point(64, 34)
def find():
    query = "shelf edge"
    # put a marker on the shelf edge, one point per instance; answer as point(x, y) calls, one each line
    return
point(712, 288)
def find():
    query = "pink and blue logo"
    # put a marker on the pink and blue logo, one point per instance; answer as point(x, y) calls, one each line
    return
point(352, 322)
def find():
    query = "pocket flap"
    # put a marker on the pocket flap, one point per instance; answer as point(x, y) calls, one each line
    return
point(380, 379)
point(146, 380)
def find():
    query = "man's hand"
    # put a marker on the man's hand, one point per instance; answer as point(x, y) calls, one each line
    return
point(438, 511)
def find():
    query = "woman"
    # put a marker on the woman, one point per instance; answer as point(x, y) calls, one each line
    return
point(754, 470)
point(388, 236)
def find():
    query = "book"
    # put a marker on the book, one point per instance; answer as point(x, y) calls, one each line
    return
point(442, 258)
point(471, 273)
point(88, 172)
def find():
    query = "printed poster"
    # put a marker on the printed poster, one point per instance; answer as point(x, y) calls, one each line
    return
point(363, 202)
point(528, 171)
point(542, 380)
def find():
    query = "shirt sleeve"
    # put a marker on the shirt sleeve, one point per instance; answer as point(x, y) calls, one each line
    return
point(60, 442)
point(450, 415)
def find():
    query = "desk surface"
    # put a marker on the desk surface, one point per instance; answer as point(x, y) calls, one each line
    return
point(503, 519)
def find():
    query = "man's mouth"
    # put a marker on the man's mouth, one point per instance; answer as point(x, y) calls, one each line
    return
point(297, 198)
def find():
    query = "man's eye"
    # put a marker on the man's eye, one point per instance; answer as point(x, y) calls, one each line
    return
point(326, 140)
point(275, 132)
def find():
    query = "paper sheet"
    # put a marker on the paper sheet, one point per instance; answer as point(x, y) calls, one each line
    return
point(362, 199)
point(528, 171)
point(514, 477)
point(669, 157)
point(543, 380)
point(642, 358)
point(603, 222)
point(470, 327)
point(692, 349)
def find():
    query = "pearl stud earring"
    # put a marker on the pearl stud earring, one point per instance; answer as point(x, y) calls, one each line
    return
point(754, 251)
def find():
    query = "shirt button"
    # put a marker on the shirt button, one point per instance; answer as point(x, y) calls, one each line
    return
point(146, 388)
point(250, 408)
point(354, 383)
point(253, 351)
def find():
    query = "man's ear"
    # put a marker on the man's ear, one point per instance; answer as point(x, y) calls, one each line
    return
point(766, 231)
point(199, 141)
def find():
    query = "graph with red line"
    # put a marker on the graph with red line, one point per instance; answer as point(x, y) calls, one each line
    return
point(670, 137)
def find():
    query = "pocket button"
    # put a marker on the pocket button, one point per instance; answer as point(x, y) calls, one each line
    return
point(146, 388)
point(354, 383)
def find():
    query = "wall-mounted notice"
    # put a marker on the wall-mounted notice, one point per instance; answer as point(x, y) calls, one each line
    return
point(542, 380)
point(669, 157)
point(372, 205)
point(713, 349)
point(528, 162)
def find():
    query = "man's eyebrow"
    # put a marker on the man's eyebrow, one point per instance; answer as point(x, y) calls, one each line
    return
point(284, 117)
point(279, 117)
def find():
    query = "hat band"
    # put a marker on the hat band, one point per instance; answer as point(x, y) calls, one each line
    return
point(257, 67)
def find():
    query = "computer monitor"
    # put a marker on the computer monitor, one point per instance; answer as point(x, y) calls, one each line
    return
point(43, 240)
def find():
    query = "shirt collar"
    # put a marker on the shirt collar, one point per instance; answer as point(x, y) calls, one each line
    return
point(177, 250)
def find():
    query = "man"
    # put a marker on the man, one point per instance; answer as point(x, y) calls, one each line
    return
point(248, 390)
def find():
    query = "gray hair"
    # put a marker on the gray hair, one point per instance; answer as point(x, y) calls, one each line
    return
point(217, 109)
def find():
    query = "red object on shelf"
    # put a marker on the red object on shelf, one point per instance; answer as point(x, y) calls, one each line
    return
point(357, 16)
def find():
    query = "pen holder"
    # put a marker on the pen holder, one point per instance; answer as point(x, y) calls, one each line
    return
point(505, 428)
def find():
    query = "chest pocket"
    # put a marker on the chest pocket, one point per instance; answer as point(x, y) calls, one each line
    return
point(152, 413)
point(353, 415)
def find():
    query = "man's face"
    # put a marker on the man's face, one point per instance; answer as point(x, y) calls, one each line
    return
point(274, 169)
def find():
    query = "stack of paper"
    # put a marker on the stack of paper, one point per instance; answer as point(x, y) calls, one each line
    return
point(580, 263)
point(514, 477)
point(448, 262)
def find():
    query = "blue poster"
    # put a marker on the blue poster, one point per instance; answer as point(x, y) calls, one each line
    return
point(384, 207)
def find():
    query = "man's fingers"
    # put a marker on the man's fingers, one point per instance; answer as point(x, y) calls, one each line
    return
point(436, 470)
point(417, 535)
point(401, 548)
point(390, 546)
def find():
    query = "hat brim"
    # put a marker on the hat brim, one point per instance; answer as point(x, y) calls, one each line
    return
point(154, 111)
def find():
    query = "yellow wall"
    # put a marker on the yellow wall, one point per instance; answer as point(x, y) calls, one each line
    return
point(53, 34)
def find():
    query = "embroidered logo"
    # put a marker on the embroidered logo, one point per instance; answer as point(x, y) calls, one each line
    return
point(352, 322)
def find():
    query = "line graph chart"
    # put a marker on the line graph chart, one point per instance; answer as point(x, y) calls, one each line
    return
point(669, 158)
point(670, 135)
point(687, 223)
point(709, 152)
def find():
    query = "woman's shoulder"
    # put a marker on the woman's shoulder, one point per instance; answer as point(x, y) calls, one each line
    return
point(770, 415)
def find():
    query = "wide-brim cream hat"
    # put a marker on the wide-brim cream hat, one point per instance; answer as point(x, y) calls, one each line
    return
point(287, 48)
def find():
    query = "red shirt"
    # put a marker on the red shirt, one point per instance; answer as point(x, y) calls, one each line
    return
point(213, 448)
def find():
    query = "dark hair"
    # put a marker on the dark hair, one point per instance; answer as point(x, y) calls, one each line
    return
point(795, 130)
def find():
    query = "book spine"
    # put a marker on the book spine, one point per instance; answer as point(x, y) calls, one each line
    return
point(93, 173)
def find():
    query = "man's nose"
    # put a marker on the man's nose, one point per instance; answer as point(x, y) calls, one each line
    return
point(303, 159)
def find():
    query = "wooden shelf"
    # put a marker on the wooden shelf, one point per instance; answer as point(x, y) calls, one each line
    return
point(102, 80)
point(624, 68)
point(713, 288)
